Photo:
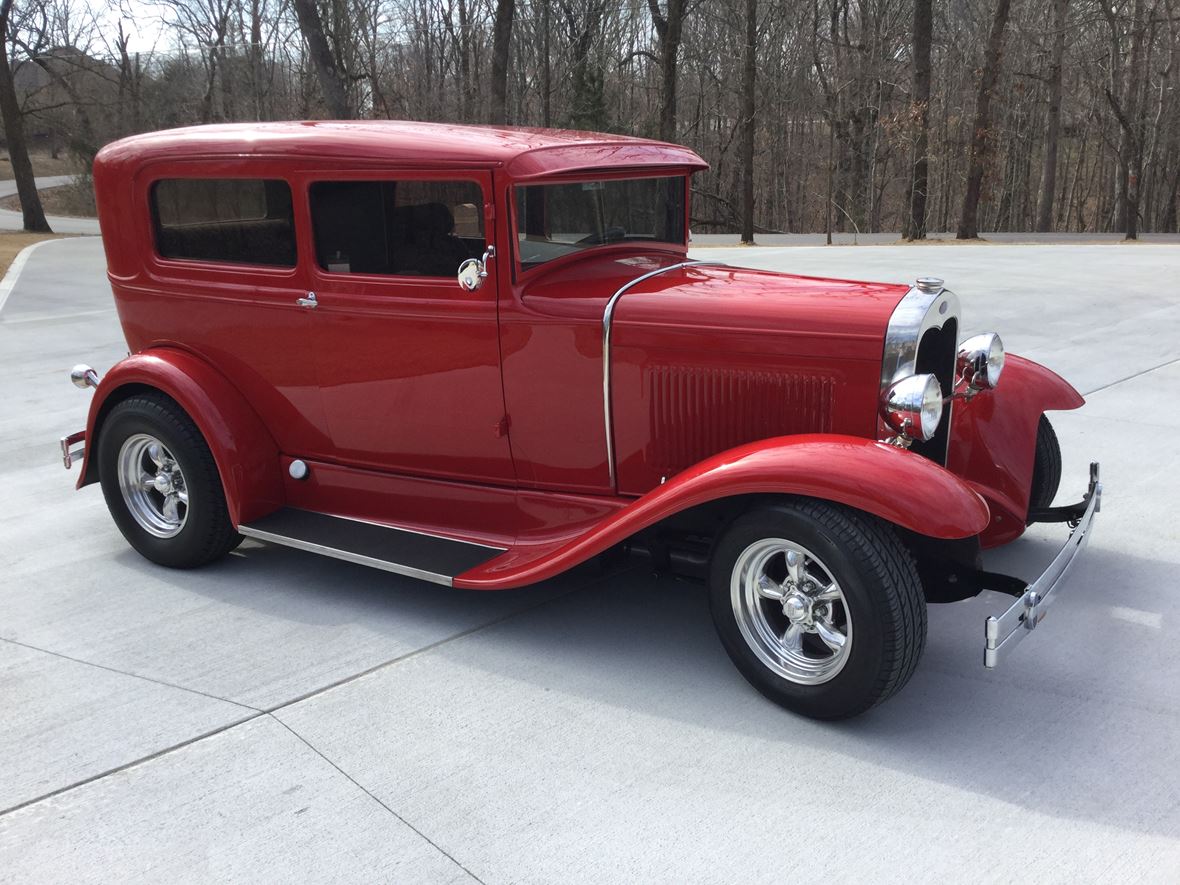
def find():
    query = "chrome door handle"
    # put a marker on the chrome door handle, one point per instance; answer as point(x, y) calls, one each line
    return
point(309, 301)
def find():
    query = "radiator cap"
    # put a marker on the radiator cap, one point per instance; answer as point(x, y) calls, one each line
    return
point(929, 284)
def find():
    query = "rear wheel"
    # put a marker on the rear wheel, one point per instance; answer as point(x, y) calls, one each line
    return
point(1046, 467)
point(819, 606)
point(161, 484)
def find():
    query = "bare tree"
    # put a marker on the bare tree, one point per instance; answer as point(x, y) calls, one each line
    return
point(669, 26)
point(501, 46)
point(977, 157)
point(920, 119)
point(329, 72)
point(748, 120)
point(1053, 126)
point(14, 134)
point(858, 112)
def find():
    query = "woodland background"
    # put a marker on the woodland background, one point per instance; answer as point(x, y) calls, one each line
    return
point(865, 115)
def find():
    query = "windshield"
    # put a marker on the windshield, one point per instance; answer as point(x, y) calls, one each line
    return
point(557, 219)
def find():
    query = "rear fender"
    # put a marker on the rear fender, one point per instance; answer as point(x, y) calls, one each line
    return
point(244, 451)
point(994, 439)
point(898, 486)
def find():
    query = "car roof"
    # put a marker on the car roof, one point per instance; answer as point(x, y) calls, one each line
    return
point(523, 152)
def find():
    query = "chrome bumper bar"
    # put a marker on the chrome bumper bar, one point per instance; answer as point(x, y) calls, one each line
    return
point(69, 454)
point(1006, 632)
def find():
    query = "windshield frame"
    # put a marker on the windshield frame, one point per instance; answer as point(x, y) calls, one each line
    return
point(521, 270)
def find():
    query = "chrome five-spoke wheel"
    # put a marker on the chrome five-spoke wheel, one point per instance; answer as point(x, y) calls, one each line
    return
point(161, 483)
point(791, 611)
point(788, 580)
point(153, 485)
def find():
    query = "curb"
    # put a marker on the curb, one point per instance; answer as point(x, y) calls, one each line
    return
point(14, 270)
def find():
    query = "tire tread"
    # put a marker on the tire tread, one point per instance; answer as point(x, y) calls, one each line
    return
point(218, 536)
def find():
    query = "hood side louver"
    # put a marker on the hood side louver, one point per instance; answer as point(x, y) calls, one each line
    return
point(697, 412)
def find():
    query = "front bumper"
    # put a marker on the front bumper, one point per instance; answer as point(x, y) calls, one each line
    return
point(1005, 632)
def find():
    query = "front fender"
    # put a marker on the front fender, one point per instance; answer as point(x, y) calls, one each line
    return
point(898, 486)
point(244, 451)
point(994, 438)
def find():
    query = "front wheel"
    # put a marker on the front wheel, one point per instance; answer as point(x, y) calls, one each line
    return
point(820, 607)
point(1046, 476)
point(161, 483)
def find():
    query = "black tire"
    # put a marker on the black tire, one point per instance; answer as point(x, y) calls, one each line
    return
point(1046, 467)
point(207, 533)
point(881, 588)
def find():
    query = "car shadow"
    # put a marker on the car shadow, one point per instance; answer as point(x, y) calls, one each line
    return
point(1037, 733)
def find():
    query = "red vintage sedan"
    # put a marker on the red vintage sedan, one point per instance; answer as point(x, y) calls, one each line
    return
point(481, 356)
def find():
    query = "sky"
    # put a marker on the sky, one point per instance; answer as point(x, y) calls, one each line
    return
point(142, 19)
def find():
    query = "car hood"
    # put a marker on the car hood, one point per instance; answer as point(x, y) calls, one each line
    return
point(727, 304)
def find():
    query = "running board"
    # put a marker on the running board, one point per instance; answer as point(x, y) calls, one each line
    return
point(428, 557)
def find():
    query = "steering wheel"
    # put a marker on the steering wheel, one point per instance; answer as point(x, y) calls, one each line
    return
point(610, 235)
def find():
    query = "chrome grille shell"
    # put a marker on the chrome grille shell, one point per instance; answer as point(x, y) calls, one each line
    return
point(923, 310)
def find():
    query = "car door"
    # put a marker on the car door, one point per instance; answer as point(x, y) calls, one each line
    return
point(224, 278)
point(408, 361)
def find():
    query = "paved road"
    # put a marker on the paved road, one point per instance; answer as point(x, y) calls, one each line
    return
point(281, 717)
point(702, 241)
point(10, 220)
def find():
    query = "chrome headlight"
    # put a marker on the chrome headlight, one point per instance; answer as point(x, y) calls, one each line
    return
point(912, 407)
point(980, 361)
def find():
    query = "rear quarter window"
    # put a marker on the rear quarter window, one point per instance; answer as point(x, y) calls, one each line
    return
point(236, 220)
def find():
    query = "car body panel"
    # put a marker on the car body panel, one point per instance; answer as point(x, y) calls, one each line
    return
point(481, 416)
point(905, 490)
point(993, 441)
point(246, 455)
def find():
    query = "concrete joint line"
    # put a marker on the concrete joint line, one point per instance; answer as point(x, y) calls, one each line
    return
point(256, 713)
point(129, 674)
point(1132, 377)
point(134, 763)
point(352, 780)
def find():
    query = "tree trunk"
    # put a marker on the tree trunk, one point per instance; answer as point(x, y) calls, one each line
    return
point(14, 134)
point(920, 177)
point(501, 45)
point(1133, 121)
point(546, 70)
point(977, 158)
point(1053, 127)
point(749, 127)
point(327, 68)
point(668, 31)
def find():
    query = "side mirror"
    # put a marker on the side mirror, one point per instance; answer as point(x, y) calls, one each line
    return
point(474, 271)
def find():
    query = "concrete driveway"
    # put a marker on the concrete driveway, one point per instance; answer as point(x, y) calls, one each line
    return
point(280, 717)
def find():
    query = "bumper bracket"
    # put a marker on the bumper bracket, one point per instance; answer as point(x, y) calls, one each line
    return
point(1005, 632)
point(69, 454)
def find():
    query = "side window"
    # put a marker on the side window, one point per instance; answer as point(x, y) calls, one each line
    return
point(403, 228)
point(240, 220)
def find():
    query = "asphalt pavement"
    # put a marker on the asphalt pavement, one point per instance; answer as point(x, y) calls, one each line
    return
point(281, 717)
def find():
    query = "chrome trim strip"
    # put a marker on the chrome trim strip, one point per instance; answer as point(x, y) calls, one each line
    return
point(1005, 632)
point(607, 317)
point(312, 547)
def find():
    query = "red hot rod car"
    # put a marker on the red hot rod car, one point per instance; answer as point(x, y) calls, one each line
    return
point(481, 357)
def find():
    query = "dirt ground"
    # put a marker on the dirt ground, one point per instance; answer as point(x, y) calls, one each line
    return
point(70, 200)
point(43, 164)
point(11, 242)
